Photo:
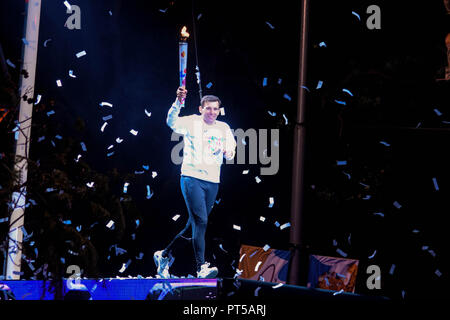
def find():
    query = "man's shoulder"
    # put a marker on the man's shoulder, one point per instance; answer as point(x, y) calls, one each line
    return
point(222, 124)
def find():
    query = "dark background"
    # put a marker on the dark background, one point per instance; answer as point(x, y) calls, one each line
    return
point(132, 62)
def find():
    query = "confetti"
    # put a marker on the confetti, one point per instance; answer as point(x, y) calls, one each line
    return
point(319, 84)
point(110, 224)
point(118, 140)
point(90, 184)
point(199, 16)
point(242, 257)
point(437, 112)
point(357, 15)
point(373, 255)
point(221, 247)
point(110, 154)
point(340, 102)
point(149, 193)
point(273, 114)
point(58, 83)
point(103, 126)
point(108, 117)
point(46, 41)
point(436, 187)
point(279, 80)
point(154, 174)
point(322, 44)
point(50, 113)
point(163, 10)
point(264, 82)
point(58, 137)
point(67, 222)
point(222, 111)
point(261, 218)
point(245, 171)
point(266, 247)
point(286, 225)
point(209, 85)
point(257, 265)
point(69, 7)
point(102, 104)
point(391, 271)
point(145, 167)
point(80, 54)
point(379, 214)
point(110, 147)
point(347, 174)
point(341, 162)
point(367, 197)
point(4, 219)
point(278, 286)
point(256, 291)
point(271, 202)
point(339, 292)
point(25, 41)
point(415, 231)
point(397, 205)
point(175, 217)
point(71, 74)
point(270, 25)
point(286, 96)
point(148, 113)
point(385, 143)
point(258, 180)
point(438, 273)
point(133, 132)
point(235, 227)
point(141, 255)
point(38, 99)
point(83, 146)
point(125, 187)
point(285, 119)
point(10, 63)
point(305, 87)
point(342, 253)
point(277, 224)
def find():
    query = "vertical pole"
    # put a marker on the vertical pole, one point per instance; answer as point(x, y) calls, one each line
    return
point(26, 87)
point(298, 156)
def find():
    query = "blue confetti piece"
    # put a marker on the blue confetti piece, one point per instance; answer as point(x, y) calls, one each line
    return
point(270, 25)
point(50, 113)
point(273, 114)
point(322, 44)
point(435, 184)
point(209, 85)
point(149, 193)
point(347, 91)
point(78, 228)
point(25, 41)
point(438, 112)
point(50, 190)
point(58, 137)
point(279, 80)
point(347, 174)
point(357, 15)
point(53, 143)
point(83, 146)
point(110, 154)
point(305, 87)
point(340, 102)
point(341, 162)
point(385, 143)
point(16, 135)
point(342, 253)
point(145, 167)
point(264, 82)
point(106, 118)
point(67, 222)
point(319, 84)
point(379, 214)
point(397, 205)
point(286, 96)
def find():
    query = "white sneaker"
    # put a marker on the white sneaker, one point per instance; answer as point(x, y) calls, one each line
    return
point(207, 272)
point(162, 265)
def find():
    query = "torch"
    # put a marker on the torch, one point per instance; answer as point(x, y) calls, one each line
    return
point(183, 49)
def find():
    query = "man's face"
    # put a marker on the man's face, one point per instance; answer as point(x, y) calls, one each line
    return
point(209, 111)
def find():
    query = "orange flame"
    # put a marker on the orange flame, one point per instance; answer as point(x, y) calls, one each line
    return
point(184, 34)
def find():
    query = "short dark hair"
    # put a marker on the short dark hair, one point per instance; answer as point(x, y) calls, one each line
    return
point(210, 98)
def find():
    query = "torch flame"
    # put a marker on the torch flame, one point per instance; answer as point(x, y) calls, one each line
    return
point(184, 34)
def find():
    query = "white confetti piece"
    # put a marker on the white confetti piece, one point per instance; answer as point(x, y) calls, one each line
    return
point(148, 113)
point(78, 158)
point(175, 217)
point(163, 10)
point(235, 227)
point(107, 104)
point(271, 202)
point(118, 140)
point(258, 180)
point(154, 174)
point(347, 91)
point(58, 83)
point(245, 172)
point(222, 111)
point(133, 132)
point(322, 44)
point(305, 87)
point(38, 99)
point(110, 224)
point(103, 126)
point(125, 187)
point(339, 292)
point(257, 265)
point(90, 184)
point(80, 54)
point(261, 218)
point(242, 257)
point(284, 226)
point(67, 4)
point(415, 231)
point(71, 74)
point(285, 119)
point(278, 286)
point(266, 247)
point(199, 16)
point(110, 147)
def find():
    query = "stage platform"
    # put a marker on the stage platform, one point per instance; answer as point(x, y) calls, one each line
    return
point(166, 289)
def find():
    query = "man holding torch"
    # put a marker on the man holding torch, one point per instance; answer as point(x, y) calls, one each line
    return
point(206, 142)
